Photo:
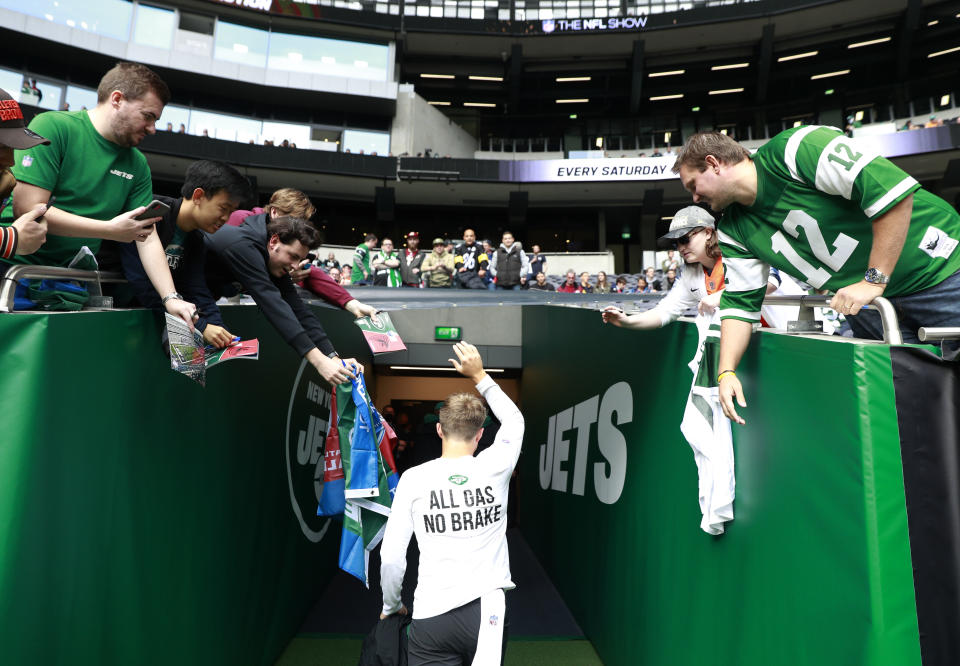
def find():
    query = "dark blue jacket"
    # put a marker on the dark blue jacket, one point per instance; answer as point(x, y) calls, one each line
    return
point(188, 275)
point(240, 254)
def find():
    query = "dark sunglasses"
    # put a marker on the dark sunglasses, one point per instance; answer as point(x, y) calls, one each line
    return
point(683, 240)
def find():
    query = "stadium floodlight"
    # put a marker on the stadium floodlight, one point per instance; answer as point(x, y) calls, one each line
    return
point(437, 76)
point(797, 56)
point(737, 65)
point(483, 104)
point(932, 23)
point(945, 100)
point(945, 52)
point(869, 42)
point(571, 79)
point(827, 75)
point(576, 100)
point(439, 103)
point(725, 91)
point(657, 98)
point(474, 77)
point(672, 72)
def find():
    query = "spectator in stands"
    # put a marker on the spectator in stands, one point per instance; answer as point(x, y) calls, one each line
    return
point(540, 283)
point(169, 127)
point(584, 287)
point(93, 168)
point(345, 271)
point(288, 201)
point(461, 570)
point(656, 153)
point(330, 263)
point(933, 122)
point(362, 273)
point(411, 259)
point(909, 229)
point(334, 274)
point(260, 254)
point(642, 286)
point(29, 231)
point(602, 286)
point(569, 285)
point(509, 264)
point(652, 280)
point(438, 267)
point(471, 262)
point(211, 192)
point(451, 248)
point(671, 261)
point(488, 278)
point(666, 283)
point(620, 287)
point(538, 262)
point(386, 265)
point(183, 129)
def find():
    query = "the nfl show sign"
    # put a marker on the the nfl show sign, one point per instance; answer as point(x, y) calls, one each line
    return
point(619, 24)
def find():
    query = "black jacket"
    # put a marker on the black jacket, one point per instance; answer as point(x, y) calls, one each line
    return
point(187, 273)
point(386, 644)
point(240, 253)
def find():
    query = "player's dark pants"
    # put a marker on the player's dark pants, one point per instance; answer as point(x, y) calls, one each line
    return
point(451, 639)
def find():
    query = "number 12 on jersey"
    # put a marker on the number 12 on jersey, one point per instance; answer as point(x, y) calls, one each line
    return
point(816, 277)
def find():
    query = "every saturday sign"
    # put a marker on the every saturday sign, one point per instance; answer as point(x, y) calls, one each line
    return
point(577, 170)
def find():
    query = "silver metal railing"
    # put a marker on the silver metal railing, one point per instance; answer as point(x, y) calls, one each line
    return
point(888, 316)
point(94, 279)
point(931, 334)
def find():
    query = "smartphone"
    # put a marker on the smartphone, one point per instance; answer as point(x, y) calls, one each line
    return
point(155, 209)
point(311, 257)
point(39, 217)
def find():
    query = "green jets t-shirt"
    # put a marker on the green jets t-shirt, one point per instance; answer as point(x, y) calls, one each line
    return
point(818, 193)
point(89, 175)
point(361, 263)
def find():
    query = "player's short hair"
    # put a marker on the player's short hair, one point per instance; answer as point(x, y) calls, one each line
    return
point(134, 81)
point(290, 229)
point(462, 415)
point(369, 237)
point(695, 150)
point(288, 201)
point(212, 177)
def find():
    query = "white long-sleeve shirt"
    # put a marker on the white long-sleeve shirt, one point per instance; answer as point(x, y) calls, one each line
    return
point(458, 509)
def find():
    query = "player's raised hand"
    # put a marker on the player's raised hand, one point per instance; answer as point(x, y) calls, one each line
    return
point(468, 362)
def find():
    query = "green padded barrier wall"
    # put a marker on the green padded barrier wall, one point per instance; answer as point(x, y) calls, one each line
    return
point(816, 567)
point(144, 519)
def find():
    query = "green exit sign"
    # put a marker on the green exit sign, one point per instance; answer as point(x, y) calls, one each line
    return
point(447, 332)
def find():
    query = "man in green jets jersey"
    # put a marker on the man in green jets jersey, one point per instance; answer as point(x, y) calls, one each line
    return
point(833, 213)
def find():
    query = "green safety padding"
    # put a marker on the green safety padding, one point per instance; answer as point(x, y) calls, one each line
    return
point(144, 519)
point(815, 569)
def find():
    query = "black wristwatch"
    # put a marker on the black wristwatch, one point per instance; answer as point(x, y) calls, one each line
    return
point(874, 276)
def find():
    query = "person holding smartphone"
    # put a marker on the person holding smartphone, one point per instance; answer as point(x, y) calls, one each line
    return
point(28, 232)
point(101, 181)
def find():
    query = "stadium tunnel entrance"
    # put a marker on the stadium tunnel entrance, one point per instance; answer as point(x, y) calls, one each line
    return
point(143, 505)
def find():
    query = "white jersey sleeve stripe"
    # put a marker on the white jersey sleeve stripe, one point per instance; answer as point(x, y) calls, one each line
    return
point(793, 146)
point(739, 314)
point(727, 240)
point(745, 274)
point(841, 161)
point(891, 194)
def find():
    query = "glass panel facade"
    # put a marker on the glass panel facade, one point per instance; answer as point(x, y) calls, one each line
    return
point(11, 82)
point(110, 18)
point(330, 57)
point(359, 141)
point(240, 44)
point(154, 26)
point(175, 115)
point(78, 98)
